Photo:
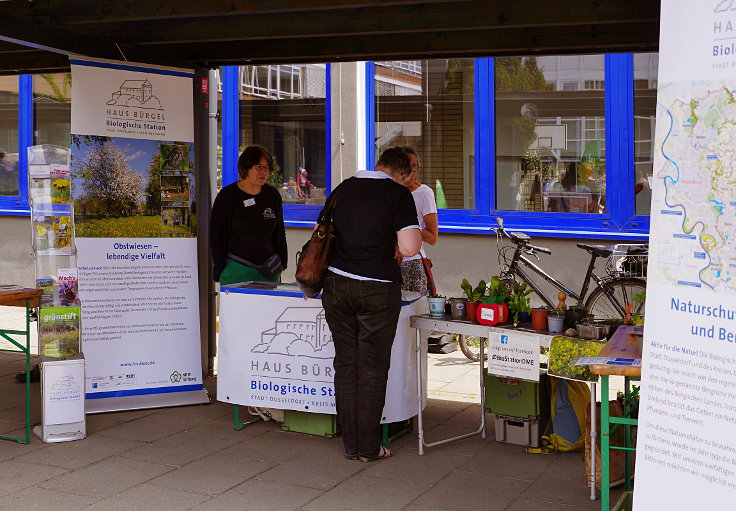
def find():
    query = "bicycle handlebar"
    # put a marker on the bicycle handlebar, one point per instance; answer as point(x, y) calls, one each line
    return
point(524, 242)
point(541, 249)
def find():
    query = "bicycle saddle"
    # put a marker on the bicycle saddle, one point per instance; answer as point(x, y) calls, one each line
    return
point(599, 250)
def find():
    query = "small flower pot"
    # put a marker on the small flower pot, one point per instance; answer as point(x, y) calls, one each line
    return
point(573, 316)
point(436, 306)
point(457, 307)
point(525, 317)
point(556, 323)
point(539, 319)
point(470, 310)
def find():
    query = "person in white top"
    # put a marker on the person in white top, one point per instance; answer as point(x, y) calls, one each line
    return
point(415, 270)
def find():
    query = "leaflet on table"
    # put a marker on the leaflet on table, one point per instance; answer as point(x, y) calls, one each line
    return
point(607, 361)
point(514, 354)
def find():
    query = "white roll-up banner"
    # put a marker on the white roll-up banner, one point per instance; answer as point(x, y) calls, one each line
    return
point(133, 168)
point(686, 451)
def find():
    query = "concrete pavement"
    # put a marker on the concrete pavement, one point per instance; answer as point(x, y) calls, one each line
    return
point(191, 458)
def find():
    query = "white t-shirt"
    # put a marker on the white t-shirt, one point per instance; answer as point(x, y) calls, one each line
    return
point(425, 203)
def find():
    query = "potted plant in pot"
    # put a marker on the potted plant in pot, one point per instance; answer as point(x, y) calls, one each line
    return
point(539, 317)
point(574, 314)
point(436, 305)
point(474, 295)
point(519, 301)
point(498, 292)
point(556, 320)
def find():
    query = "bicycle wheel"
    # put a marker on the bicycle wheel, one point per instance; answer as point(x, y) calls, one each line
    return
point(470, 346)
point(622, 291)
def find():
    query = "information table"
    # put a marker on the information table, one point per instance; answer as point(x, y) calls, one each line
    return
point(626, 343)
point(276, 351)
point(28, 298)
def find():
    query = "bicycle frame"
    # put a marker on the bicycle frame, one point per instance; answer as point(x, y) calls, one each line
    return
point(516, 269)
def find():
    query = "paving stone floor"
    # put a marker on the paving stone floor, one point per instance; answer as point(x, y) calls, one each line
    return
point(191, 458)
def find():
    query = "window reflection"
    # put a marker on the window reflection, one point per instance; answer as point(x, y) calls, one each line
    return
point(645, 115)
point(283, 108)
point(550, 134)
point(429, 105)
point(9, 135)
point(52, 102)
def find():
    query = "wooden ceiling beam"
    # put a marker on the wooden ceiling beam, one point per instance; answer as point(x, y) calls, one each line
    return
point(53, 39)
point(640, 37)
point(416, 19)
point(33, 61)
point(84, 11)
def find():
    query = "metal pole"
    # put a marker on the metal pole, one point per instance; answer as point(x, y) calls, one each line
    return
point(213, 138)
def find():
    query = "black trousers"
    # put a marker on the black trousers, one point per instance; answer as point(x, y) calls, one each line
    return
point(362, 316)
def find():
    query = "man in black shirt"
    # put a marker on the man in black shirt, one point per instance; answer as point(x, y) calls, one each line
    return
point(376, 221)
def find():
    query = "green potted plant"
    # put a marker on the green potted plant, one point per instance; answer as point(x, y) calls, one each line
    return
point(556, 320)
point(519, 301)
point(497, 290)
point(574, 314)
point(474, 295)
point(436, 305)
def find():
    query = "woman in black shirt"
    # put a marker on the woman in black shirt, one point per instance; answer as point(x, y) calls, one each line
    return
point(376, 222)
point(247, 226)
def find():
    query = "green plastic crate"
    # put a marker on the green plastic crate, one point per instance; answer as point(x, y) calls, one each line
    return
point(319, 424)
point(517, 398)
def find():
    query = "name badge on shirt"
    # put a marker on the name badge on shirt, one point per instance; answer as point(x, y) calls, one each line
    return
point(249, 202)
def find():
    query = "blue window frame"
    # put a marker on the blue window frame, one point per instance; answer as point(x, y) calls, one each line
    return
point(294, 215)
point(618, 222)
point(17, 205)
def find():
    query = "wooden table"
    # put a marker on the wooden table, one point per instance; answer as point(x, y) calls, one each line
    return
point(627, 342)
point(28, 298)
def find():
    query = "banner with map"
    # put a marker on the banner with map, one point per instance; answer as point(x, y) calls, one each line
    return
point(686, 452)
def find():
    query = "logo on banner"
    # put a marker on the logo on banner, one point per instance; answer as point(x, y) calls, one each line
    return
point(175, 377)
point(725, 5)
point(504, 339)
point(137, 94)
point(298, 331)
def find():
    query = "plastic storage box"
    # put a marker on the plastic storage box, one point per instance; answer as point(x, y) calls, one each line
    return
point(319, 424)
point(517, 398)
point(519, 430)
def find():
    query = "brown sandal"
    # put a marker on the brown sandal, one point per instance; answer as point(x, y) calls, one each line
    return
point(383, 453)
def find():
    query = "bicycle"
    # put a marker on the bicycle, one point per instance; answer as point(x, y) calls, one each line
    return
point(612, 297)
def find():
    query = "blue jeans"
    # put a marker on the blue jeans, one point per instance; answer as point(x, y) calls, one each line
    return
point(362, 316)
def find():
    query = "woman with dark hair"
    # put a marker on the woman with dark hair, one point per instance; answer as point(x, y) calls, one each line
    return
point(247, 226)
point(376, 223)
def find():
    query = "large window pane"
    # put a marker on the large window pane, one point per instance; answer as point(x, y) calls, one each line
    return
point(645, 115)
point(283, 108)
point(550, 134)
point(429, 104)
point(52, 107)
point(9, 135)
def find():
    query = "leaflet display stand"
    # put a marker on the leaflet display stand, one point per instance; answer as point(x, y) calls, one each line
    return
point(59, 316)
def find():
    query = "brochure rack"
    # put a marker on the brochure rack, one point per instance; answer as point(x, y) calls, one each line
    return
point(59, 315)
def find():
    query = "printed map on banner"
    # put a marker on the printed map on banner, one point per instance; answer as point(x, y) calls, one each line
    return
point(698, 205)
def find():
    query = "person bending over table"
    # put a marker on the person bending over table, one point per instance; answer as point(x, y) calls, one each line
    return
point(376, 222)
point(416, 270)
point(247, 226)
